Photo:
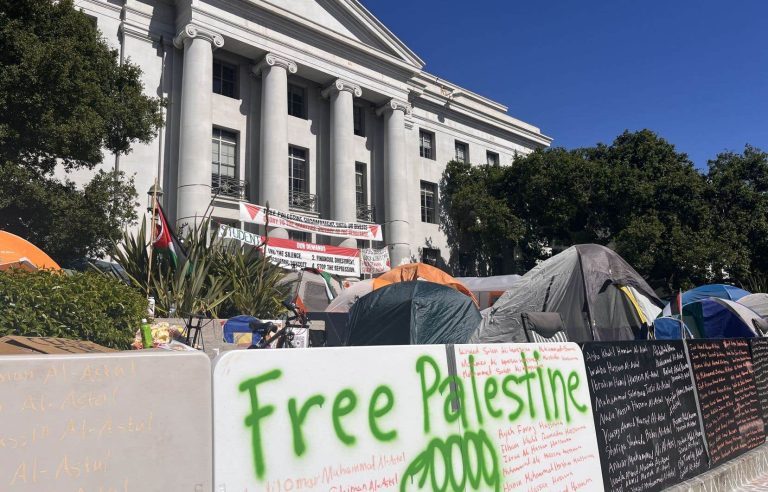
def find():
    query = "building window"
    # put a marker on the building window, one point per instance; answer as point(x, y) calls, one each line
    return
point(462, 152)
point(224, 76)
point(297, 101)
point(428, 202)
point(426, 144)
point(430, 256)
point(304, 237)
point(358, 116)
point(224, 156)
point(492, 158)
point(361, 184)
point(297, 170)
point(92, 19)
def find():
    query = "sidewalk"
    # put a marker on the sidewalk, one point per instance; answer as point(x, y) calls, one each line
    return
point(747, 473)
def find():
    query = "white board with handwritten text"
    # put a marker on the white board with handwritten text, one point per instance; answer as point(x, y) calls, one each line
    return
point(117, 422)
point(468, 417)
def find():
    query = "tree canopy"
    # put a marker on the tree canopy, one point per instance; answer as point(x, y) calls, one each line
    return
point(65, 98)
point(677, 226)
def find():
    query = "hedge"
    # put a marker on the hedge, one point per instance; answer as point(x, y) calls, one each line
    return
point(83, 306)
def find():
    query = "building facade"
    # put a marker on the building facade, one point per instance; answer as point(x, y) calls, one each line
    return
point(310, 106)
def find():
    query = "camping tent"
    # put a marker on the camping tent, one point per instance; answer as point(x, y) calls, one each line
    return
point(348, 297)
point(667, 328)
point(487, 290)
point(315, 289)
point(722, 291)
point(598, 294)
point(412, 313)
point(721, 318)
point(420, 271)
point(16, 252)
point(756, 302)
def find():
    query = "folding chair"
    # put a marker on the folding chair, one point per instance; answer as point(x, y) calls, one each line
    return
point(544, 327)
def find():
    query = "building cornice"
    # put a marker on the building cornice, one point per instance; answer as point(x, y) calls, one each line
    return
point(506, 132)
point(275, 60)
point(340, 85)
point(193, 31)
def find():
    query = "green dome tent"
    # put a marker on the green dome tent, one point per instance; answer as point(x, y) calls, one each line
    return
point(412, 313)
point(598, 294)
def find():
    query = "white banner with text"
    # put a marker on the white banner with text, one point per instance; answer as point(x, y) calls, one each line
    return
point(256, 214)
point(374, 260)
point(297, 254)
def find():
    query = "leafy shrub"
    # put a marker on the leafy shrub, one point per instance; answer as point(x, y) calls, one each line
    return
point(84, 306)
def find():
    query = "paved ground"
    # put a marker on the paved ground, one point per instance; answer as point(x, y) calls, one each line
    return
point(746, 473)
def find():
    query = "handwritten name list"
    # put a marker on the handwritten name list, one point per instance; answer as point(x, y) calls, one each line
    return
point(759, 348)
point(728, 397)
point(645, 414)
point(102, 423)
point(546, 436)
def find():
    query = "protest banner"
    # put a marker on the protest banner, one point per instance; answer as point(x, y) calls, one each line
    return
point(374, 260)
point(298, 254)
point(256, 214)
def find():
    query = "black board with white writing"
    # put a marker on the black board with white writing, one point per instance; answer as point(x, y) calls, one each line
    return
point(647, 423)
point(728, 399)
point(759, 348)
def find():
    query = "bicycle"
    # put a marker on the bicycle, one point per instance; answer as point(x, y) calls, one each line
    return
point(270, 336)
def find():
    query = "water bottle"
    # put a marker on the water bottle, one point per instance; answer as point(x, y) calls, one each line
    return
point(146, 334)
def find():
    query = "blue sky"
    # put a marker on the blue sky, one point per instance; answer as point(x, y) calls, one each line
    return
point(695, 72)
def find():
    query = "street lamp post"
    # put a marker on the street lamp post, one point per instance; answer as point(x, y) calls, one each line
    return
point(154, 191)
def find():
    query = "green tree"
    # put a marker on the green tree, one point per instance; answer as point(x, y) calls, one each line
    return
point(638, 195)
point(739, 197)
point(476, 217)
point(64, 99)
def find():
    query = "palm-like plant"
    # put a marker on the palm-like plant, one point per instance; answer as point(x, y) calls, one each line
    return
point(213, 278)
point(253, 280)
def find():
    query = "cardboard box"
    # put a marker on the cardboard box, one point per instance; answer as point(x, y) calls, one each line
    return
point(14, 345)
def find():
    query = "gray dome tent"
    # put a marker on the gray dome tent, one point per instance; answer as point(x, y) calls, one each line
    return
point(412, 313)
point(598, 294)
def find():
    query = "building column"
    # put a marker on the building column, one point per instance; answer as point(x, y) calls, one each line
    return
point(342, 193)
point(194, 180)
point(273, 161)
point(396, 228)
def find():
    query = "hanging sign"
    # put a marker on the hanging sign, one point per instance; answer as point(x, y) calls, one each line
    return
point(297, 254)
point(331, 259)
point(256, 214)
point(374, 260)
point(226, 232)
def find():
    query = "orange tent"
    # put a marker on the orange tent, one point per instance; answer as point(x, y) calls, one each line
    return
point(16, 252)
point(416, 271)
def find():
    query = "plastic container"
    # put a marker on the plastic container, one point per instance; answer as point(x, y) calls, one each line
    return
point(151, 307)
point(146, 334)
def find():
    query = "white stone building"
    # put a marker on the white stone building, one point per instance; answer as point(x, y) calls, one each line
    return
point(311, 105)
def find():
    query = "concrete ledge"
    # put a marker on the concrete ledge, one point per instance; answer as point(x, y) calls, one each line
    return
point(730, 476)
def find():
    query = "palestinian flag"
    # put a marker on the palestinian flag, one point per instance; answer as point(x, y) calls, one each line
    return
point(166, 241)
point(677, 305)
